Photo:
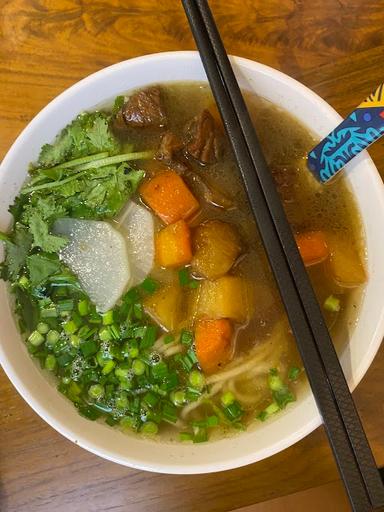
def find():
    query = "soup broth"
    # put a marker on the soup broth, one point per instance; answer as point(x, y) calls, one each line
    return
point(193, 341)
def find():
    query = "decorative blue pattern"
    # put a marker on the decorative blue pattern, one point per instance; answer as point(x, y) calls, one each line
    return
point(358, 131)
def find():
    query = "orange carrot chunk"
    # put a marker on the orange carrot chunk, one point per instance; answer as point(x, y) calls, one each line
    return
point(313, 247)
point(173, 245)
point(213, 340)
point(169, 197)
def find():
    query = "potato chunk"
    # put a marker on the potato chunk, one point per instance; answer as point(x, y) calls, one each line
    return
point(227, 297)
point(165, 306)
point(216, 247)
point(344, 264)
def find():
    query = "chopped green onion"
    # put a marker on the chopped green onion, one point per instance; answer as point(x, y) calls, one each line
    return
point(169, 412)
point(129, 422)
point(85, 332)
point(114, 331)
point(183, 277)
point(149, 285)
point(74, 340)
point(89, 348)
point(65, 359)
point(149, 337)
point(192, 356)
point(150, 399)
point(233, 411)
point(138, 367)
point(274, 381)
point(280, 392)
point(293, 373)
point(212, 421)
point(108, 317)
point(36, 338)
point(185, 362)
point(108, 367)
point(200, 435)
point(65, 305)
point(332, 304)
point(133, 352)
point(131, 296)
point(196, 379)
point(50, 312)
point(122, 373)
point(193, 394)
point(83, 307)
point(168, 338)
point(186, 337)
point(227, 398)
point(171, 381)
point(24, 282)
point(149, 428)
point(89, 412)
point(178, 397)
point(42, 327)
point(96, 391)
point(138, 311)
point(268, 411)
point(70, 327)
point(102, 358)
point(50, 362)
point(185, 436)
point(52, 338)
point(159, 371)
point(121, 401)
point(105, 334)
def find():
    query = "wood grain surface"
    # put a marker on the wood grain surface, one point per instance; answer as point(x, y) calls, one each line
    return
point(336, 47)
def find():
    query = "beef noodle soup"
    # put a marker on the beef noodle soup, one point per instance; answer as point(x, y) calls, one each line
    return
point(138, 275)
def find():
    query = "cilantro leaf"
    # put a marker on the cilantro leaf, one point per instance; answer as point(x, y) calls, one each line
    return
point(27, 310)
point(89, 133)
point(41, 237)
point(59, 151)
point(17, 249)
point(117, 105)
point(133, 177)
point(101, 137)
point(47, 207)
point(41, 267)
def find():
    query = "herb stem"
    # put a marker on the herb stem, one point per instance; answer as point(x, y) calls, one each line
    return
point(77, 161)
point(51, 184)
point(117, 159)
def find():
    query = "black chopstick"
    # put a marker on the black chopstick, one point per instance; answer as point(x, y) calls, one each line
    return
point(334, 400)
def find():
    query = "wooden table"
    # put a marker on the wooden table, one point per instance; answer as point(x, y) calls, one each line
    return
point(336, 47)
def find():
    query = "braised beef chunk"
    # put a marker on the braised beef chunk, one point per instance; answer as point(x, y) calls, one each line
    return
point(170, 144)
point(118, 123)
point(169, 152)
point(145, 108)
point(201, 141)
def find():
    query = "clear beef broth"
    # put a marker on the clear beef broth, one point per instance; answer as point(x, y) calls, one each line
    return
point(309, 206)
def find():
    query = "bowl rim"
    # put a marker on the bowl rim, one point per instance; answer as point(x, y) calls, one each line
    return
point(314, 421)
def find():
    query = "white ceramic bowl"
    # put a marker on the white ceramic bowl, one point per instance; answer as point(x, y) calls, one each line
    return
point(300, 418)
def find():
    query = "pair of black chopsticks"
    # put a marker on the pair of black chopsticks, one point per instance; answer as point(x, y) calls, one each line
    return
point(342, 423)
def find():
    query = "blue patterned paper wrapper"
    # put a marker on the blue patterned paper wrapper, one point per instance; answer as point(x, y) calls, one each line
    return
point(358, 131)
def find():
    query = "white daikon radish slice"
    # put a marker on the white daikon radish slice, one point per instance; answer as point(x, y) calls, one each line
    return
point(97, 254)
point(137, 224)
